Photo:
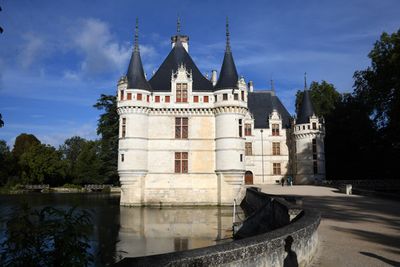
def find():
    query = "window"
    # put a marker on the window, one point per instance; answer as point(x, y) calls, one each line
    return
point(139, 97)
point(205, 99)
point(180, 244)
point(276, 148)
point(181, 128)
point(196, 98)
point(308, 127)
point(123, 132)
point(314, 126)
point(247, 129)
point(148, 98)
point(129, 96)
point(304, 127)
point(276, 168)
point(215, 98)
point(275, 129)
point(167, 99)
point(248, 149)
point(224, 97)
point(236, 96)
point(157, 98)
point(240, 128)
point(314, 145)
point(181, 162)
point(315, 167)
point(181, 92)
point(241, 157)
point(122, 157)
point(121, 97)
point(242, 95)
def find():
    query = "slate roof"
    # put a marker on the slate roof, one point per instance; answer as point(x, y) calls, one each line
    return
point(161, 81)
point(306, 109)
point(135, 73)
point(261, 104)
point(228, 76)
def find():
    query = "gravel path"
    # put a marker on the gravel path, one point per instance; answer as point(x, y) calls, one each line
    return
point(355, 230)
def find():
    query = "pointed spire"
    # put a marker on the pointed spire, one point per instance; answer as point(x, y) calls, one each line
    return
point(272, 85)
point(228, 77)
point(305, 80)
point(136, 42)
point(178, 25)
point(228, 41)
point(135, 74)
point(306, 107)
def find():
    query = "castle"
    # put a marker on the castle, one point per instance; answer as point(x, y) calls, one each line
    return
point(186, 139)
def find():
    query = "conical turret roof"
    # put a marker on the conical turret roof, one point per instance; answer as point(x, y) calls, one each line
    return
point(135, 74)
point(228, 76)
point(306, 108)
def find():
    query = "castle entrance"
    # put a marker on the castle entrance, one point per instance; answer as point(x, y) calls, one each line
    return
point(248, 177)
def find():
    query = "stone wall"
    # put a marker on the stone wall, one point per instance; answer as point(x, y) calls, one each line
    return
point(285, 246)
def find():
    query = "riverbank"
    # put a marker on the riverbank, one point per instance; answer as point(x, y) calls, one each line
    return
point(20, 189)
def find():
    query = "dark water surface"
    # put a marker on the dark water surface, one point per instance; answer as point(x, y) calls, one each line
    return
point(129, 232)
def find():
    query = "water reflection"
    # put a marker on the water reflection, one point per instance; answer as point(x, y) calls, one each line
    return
point(147, 231)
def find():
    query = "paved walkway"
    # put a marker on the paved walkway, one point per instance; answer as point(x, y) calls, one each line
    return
point(355, 230)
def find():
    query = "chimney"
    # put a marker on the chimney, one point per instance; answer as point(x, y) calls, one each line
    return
point(184, 39)
point(251, 86)
point(214, 77)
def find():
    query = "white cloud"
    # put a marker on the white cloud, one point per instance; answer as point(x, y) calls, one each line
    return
point(32, 49)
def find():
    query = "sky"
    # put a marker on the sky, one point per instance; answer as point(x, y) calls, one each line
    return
point(58, 57)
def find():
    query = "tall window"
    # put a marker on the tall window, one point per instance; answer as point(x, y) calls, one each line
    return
point(275, 129)
point(181, 92)
point(276, 168)
point(276, 148)
point(205, 99)
point(122, 95)
point(248, 149)
point(315, 167)
point(139, 97)
point(181, 162)
point(315, 156)
point(242, 95)
point(122, 157)
point(314, 126)
point(314, 146)
point(240, 128)
point(181, 128)
point(247, 129)
point(123, 131)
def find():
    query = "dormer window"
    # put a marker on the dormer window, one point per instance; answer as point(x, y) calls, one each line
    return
point(314, 126)
point(275, 129)
point(181, 92)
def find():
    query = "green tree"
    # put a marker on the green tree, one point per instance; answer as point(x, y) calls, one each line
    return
point(47, 237)
point(70, 150)
point(22, 143)
point(379, 87)
point(7, 163)
point(324, 97)
point(42, 164)
point(89, 165)
point(1, 121)
point(107, 128)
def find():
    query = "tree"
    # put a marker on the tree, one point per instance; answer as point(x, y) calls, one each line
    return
point(89, 165)
point(7, 165)
point(107, 127)
point(324, 97)
point(42, 164)
point(22, 143)
point(70, 151)
point(1, 121)
point(47, 237)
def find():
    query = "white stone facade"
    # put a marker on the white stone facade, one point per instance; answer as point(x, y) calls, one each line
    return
point(215, 145)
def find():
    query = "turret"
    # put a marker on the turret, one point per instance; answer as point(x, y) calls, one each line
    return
point(133, 103)
point(230, 109)
point(309, 149)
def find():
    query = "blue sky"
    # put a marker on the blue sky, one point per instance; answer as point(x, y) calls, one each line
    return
point(57, 57)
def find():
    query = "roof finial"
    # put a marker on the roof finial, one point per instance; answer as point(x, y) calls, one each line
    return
point(228, 45)
point(305, 80)
point(178, 25)
point(136, 43)
point(272, 85)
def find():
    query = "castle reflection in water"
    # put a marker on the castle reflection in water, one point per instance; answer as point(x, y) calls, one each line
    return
point(147, 231)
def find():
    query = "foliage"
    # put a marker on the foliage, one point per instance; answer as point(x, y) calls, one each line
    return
point(1, 121)
point(323, 96)
point(89, 165)
point(107, 127)
point(47, 237)
point(42, 164)
point(22, 143)
point(72, 186)
point(7, 163)
point(70, 151)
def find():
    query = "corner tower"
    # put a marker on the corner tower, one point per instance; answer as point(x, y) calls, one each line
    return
point(230, 95)
point(309, 133)
point(133, 124)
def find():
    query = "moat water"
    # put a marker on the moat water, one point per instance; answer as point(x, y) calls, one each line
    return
point(130, 232)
